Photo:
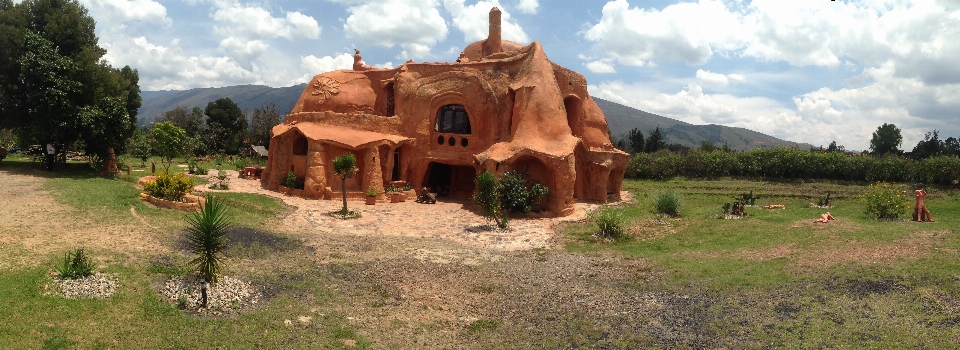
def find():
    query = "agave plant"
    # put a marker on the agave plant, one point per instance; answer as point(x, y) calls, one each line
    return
point(206, 238)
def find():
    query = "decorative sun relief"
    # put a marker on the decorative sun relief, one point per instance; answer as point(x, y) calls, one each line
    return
point(325, 87)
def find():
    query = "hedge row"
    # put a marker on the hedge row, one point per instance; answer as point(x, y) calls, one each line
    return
point(794, 163)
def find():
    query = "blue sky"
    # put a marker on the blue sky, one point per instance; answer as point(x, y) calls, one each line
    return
point(810, 71)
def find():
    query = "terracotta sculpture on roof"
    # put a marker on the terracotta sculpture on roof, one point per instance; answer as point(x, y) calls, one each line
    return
point(501, 106)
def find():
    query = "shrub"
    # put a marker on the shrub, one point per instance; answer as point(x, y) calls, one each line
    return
point(609, 223)
point(885, 201)
point(944, 170)
point(222, 181)
point(372, 192)
point(76, 265)
point(290, 181)
point(487, 197)
point(171, 187)
point(241, 163)
point(667, 203)
point(516, 197)
point(206, 237)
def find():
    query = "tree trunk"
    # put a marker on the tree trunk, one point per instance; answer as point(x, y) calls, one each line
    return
point(343, 188)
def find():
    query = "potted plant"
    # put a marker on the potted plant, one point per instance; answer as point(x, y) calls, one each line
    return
point(403, 194)
point(371, 196)
point(394, 194)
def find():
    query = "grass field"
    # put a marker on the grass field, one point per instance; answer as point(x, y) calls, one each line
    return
point(771, 279)
point(777, 277)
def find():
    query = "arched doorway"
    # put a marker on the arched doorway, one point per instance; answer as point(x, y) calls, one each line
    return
point(535, 170)
point(454, 181)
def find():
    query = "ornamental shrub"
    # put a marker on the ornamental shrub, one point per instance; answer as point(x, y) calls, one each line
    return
point(76, 265)
point(609, 223)
point(290, 181)
point(206, 237)
point(885, 201)
point(667, 203)
point(487, 197)
point(168, 186)
point(516, 196)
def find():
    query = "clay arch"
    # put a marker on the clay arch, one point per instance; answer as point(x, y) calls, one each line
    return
point(299, 144)
point(536, 170)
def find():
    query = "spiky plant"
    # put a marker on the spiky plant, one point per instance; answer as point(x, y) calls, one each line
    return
point(206, 238)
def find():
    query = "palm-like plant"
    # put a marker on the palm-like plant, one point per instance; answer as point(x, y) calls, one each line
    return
point(206, 238)
point(344, 166)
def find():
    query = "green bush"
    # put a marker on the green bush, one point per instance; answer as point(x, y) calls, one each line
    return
point(206, 237)
point(944, 170)
point(516, 196)
point(885, 201)
point(168, 186)
point(290, 181)
point(667, 203)
point(76, 265)
point(890, 168)
point(609, 223)
point(240, 163)
point(487, 197)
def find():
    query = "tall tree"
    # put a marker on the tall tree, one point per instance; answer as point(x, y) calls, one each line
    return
point(264, 119)
point(636, 140)
point(226, 123)
point(886, 140)
point(55, 85)
point(178, 116)
point(951, 146)
point(655, 142)
point(931, 145)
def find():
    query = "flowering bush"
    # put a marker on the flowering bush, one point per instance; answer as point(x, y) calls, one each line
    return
point(885, 201)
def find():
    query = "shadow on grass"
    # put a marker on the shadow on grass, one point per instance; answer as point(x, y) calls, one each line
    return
point(76, 171)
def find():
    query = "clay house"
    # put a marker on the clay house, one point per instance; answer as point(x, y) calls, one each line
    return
point(500, 106)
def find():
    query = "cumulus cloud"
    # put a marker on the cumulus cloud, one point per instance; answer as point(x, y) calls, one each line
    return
point(243, 51)
point(312, 65)
point(254, 22)
point(687, 32)
point(114, 12)
point(600, 67)
point(414, 25)
point(474, 21)
point(710, 79)
point(528, 6)
point(918, 36)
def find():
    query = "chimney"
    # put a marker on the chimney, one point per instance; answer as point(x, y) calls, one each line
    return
point(492, 44)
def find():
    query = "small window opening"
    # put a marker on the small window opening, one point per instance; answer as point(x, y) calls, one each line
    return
point(453, 119)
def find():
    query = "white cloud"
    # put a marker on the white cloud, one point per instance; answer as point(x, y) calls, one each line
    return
point(114, 12)
point(414, 25)
point(688, 32)
point(474, 21)
point(254, 22)
point(312, 65)
point(243, 51)
point(600, 67)
point(710, 79)
point(528, 6)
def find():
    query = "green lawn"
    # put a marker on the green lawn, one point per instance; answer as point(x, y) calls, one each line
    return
point(782, 279)
point(137, 317)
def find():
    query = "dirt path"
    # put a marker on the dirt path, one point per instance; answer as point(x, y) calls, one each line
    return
point(33, 223)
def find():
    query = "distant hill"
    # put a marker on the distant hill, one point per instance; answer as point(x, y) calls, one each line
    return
point(621, 118)
point(247, 97)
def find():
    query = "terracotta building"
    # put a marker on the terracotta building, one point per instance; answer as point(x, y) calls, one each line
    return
point(500, 106)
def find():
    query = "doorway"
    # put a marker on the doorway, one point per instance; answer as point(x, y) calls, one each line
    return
point(450, 180)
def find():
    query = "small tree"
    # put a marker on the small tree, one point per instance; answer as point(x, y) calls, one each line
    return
point(487, 197)
point(206, 237)
point(141, 148)
point(345, 166)
point(655, 142)
point(886, 139)
point(168, 142)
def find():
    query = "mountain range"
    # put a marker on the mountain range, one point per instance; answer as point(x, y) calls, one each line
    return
point(621, 118)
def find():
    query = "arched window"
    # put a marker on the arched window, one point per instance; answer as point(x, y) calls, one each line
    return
point(453, 119)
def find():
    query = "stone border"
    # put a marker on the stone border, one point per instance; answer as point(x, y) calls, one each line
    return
point(192, 203)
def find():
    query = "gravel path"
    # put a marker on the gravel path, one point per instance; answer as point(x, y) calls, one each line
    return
point(447, 220)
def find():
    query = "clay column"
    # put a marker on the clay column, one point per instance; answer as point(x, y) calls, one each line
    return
point(315, 181)
point(373, 177)
point(492, 44)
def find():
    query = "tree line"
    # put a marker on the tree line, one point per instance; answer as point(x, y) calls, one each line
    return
point(220, 128)
point(932, 161)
